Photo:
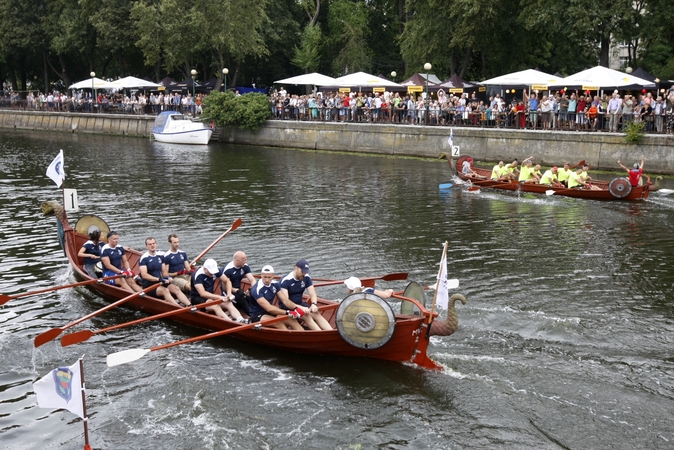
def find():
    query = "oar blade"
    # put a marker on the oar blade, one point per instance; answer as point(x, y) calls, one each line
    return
point(446, 185)
point(126, 356)
point(549, 192)
point(47, 336)
point(395, 276)
point(453, 283)
point(236, 224)
point(660, 191)
point(4, 299)
point(76, 337)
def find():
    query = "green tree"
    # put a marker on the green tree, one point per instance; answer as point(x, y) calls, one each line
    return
point(349, 33)
point(307, 56)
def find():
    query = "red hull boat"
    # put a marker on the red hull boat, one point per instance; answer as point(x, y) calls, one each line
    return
point(616, 189)
point(405, 337)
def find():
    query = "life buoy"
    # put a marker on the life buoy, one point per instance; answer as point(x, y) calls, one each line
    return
point(212, 125)
point(620, 187)
point(365, 320)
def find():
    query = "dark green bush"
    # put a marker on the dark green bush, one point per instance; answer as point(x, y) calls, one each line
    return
point(248, 111)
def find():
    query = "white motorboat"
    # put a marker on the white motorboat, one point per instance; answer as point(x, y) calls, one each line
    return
point(176, 128)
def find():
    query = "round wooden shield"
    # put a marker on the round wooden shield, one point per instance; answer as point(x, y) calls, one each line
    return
point(620, 187)
point(89, 223)
point(416, 291)
point(365, 320)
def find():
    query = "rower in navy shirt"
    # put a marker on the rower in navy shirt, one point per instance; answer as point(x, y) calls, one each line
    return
point(113, 257)
point(293, 286)
point(90, 253)
point(151, 265)
point(203, 290)
point(176, 264)
point(262, 306)
point(235, 272)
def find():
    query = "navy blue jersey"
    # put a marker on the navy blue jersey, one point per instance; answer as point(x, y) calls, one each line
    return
point(90, 248)
point(115, 254)
point(295, 287)
point(200, 277)
point(153, 263)
point(235, 274)
point(175, 261)
point(259, 290)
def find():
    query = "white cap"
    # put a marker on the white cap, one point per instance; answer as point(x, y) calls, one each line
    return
point(211, 266)
point(352, 283)
point(267, 269)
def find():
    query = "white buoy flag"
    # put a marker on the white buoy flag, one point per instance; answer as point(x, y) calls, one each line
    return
point(450, 141)
point(443, 292)
point(55, 170)
point(61, 389)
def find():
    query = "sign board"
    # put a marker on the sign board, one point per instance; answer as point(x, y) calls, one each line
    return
point(456, 90)
point(344, 89)
point(411, 89)
point(161, 88)
point(70, 200)
point(590, 88)
point(379, 89)
point(540, 87)
point(482, 89)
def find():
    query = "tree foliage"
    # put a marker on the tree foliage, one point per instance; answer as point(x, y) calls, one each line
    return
point(47, 41)
point(248, 112)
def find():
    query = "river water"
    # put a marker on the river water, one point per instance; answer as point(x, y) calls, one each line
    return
point(566, 340)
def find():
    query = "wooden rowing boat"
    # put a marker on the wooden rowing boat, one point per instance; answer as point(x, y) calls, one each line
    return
point(384, 335)
point(617, 189)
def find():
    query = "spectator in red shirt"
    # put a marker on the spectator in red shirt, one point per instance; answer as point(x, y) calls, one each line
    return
point(634, 174)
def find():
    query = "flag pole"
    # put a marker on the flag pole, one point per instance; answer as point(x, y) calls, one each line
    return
point(437, 286)
point(84, 407)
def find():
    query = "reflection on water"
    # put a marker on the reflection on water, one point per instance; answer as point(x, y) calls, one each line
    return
point(565, 341)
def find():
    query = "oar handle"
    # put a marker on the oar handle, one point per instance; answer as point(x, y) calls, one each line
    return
point(5, 298)
point(113, 305)
point(159, 316)
point(234, 226)
point(236, 329)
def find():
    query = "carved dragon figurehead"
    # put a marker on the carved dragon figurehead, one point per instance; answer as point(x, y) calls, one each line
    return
point(54, 208)
point(449, 325)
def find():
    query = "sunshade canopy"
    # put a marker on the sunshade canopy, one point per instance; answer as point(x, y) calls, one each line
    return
point(601, 77)
point(94, 82)
point(363, 79)
point(314, 79)
point(527, 77)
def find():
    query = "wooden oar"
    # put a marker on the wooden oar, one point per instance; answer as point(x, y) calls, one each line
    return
point(127, 356)
point(234, 226)
point(390, 277)
point(84, 335)
point(578, 165)
point(5, 298)
point(51, 334)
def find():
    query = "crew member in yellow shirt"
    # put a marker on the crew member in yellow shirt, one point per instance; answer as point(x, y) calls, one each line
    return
point(575, 181)
point(563, 174)
point(549, 178)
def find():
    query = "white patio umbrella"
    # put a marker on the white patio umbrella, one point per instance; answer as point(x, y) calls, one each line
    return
point(97, 84)
point(133, 82)
point(313, 79)
point(601, 77)
point(362, 79)
point(527, 77)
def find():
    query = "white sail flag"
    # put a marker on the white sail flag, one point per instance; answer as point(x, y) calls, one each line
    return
point(61, 389)
point(450, 141)
point(55, 170)
point(442, 293)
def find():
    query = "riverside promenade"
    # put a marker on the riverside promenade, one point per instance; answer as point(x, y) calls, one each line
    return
point(600, 150)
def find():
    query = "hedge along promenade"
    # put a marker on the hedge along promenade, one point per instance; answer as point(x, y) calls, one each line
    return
point(600, 150)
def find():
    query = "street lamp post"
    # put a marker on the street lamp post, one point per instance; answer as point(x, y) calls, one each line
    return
point(93, 93)
point(194, 73)
point(225, 71)
point(393, 76)
point(427, 67)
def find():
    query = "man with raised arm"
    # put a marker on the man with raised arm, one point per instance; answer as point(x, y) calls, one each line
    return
point(635, 173)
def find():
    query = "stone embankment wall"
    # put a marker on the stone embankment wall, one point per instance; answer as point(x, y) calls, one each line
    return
point(118, 124)
point(600, 150)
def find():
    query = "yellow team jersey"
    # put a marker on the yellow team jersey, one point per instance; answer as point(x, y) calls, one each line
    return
point(574, 180)
point(525, 173)
point(563, 174)
point(548, 177)
point(583, 175)
point(496, 172)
